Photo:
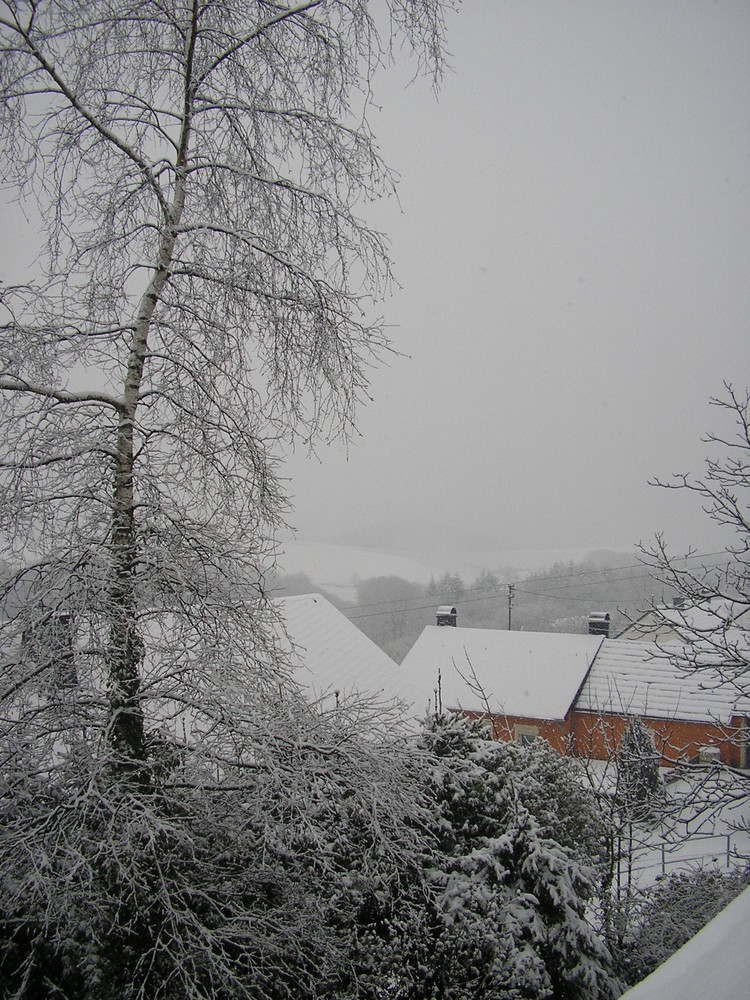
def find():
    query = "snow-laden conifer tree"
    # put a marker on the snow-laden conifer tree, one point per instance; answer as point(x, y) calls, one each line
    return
point(506, 907)
point(638, 780)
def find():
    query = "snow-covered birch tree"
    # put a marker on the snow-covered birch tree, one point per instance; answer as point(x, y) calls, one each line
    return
point(205, 293)
point(206, 290)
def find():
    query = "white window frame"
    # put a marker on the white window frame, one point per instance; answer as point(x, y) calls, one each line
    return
point(525, 733)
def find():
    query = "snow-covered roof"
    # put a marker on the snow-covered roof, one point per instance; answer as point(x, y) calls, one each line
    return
point(528, 674)
point(715, 963)
point(639, 678)
point(732, 618)
point(332, 654)
point(708, 616)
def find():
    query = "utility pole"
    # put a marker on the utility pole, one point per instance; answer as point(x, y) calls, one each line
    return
point(510, 603)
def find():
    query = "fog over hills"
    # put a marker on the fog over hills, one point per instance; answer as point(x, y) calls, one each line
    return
point(395, 602)
point(571, 244)
point(339, 568)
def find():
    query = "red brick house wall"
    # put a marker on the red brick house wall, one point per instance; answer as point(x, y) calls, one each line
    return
point(597, 737)
point(506, 727)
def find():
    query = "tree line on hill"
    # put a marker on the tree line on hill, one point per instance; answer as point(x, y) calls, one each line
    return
point(393, 611)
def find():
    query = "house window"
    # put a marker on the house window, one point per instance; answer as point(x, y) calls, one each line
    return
point(526, 734)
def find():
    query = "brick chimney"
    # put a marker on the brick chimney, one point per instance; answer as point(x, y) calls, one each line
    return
point(599, 623)
point(446, 615)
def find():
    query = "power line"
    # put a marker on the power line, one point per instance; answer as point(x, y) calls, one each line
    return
point(391, 611)
point(560, 597)
point(613, 569)
point(399, 604)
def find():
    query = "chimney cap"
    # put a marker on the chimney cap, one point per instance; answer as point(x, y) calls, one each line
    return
point(599, 623)
point(446, 615)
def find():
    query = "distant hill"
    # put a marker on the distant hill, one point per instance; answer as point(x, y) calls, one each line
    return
point(392, 610)
point(294, 584)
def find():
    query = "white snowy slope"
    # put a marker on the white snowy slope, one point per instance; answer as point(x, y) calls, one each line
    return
point(713, 965)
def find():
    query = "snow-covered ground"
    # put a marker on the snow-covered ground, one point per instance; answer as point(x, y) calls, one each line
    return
point(711, 828)
point(705, 822)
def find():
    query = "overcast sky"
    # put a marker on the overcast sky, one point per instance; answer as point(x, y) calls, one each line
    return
point(574, 256)
point(573, 249)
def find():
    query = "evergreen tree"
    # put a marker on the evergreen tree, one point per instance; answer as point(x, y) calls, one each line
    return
point(638, 782)
point(505, 903)
point(451, 587)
